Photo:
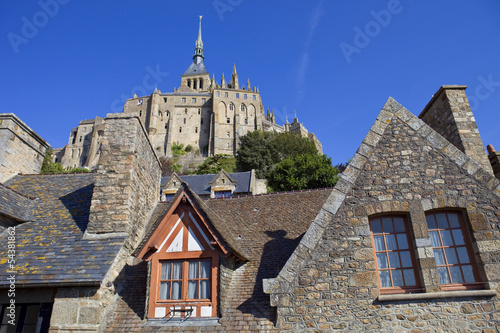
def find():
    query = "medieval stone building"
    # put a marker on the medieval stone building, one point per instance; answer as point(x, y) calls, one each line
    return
point(407, 240)
point(208, 116)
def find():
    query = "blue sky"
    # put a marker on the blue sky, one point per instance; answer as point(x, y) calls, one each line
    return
point(334, 63)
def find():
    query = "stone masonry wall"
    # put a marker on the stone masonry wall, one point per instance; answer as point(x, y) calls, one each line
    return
point(22, 150)
point(337, 288)
point(126, 191)
point(128, 179)
point(449, 114)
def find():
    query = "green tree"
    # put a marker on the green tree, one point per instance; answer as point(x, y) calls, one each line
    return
point(48, 166)
point(257, 152)
point(262, 150)
point(216, 163)
point(303, 172)
point(177, 149)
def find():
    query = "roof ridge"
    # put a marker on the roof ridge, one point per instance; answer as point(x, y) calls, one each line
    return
point(21, 194)
point(269, 194)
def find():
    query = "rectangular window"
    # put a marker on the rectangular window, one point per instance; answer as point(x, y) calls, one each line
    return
point(228, 120)
point(237, 95)
point(218, 94)
point(193, 100)
point(164, 100)
point(452, 251)
point(196, 129)
point(183, 99)
point(394, 255)
point(169, 197)
point(226, 94)
point(202, 121)
point(245, 96)
point(222, 194)
point(254, 97)
point(28, 318)
point(139, 102)
point(184, 120)
point(180, 129)
point(203, 100)
point(175, 284)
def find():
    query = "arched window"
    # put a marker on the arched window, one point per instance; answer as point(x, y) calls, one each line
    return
point(201, 83)
point(231, 107)
point(451, 244)
point(243, 108)
point(394, 256)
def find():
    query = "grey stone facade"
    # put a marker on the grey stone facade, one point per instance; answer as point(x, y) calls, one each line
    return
point(402, 167)
point(22, 149)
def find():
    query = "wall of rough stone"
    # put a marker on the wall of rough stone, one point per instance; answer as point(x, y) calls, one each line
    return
point(404, 169)
point(128, 179)
point(126, 190)
point(22, 150)
point(449, 114)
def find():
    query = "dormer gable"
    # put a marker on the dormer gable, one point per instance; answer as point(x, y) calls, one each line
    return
point(222, 185)
point(170, 187)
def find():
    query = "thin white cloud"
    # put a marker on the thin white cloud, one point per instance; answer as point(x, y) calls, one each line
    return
point(315, 17)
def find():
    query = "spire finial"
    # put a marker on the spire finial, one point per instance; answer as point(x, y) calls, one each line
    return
point(198, 51)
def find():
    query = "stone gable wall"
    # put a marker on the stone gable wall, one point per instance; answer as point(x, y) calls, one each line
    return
point(337, 289)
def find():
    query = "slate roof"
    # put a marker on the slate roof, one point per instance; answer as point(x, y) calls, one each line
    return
point(266, 229)
point(195, 68)
point(200, 184)
point(49, 248)
point(14, 205)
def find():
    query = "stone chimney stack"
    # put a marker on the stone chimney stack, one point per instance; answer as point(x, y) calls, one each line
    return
point(494, 157)
point(127, 184)
point(449, 113)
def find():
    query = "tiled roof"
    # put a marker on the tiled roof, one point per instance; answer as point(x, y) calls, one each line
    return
point(200, 183)
point(266, 228)
point(50, 248)
point(14, 205)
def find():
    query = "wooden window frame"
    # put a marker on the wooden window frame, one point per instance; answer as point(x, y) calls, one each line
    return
point(411, 248)
point(478, 284)
point(185, 280)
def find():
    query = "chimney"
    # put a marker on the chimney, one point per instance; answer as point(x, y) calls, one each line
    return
point(449, 113)
point(127, 184)
point(494, 157)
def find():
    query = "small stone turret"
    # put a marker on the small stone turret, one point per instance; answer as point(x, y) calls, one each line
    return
point(234, 79)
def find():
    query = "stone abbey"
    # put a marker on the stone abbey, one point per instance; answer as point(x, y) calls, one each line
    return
point(208, 116)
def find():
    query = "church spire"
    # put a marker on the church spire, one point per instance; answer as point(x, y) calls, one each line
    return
point(198, 51)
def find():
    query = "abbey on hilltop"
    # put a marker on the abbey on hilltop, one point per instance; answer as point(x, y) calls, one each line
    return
point(208, 116)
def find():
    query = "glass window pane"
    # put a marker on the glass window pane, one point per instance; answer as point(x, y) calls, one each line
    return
point(468, 273)
point(385, 279)
point(193, 269)
point(451, 256)
point(439, 257)
point(205, 269)
point(409, 277)
point(176, 289)
point(405, 258)
point(446, 238)
point(456, 275)
point(435, 239)
point(177, 271)
point(382, 260)
point(165, 290)
point(205, 289)
point(165, 270)
point(402, 241)
point(441, 221)
point(458, 237)
point(399, 224)
point(32, 314)
point(376, 226)
point(443, 275)
point(193, 289)
point(463, 255)
point(387, 225)
point(453, 219)
point(379, 243)
point(397, 278)
point(394, 259)
point(391, 242)
point(431, 222)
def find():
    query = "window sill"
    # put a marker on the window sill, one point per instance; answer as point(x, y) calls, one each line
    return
point(442, 294)
point(183, 322)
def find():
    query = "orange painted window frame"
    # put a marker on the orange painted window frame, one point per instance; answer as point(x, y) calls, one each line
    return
point(398, 289)
point(478, 284)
